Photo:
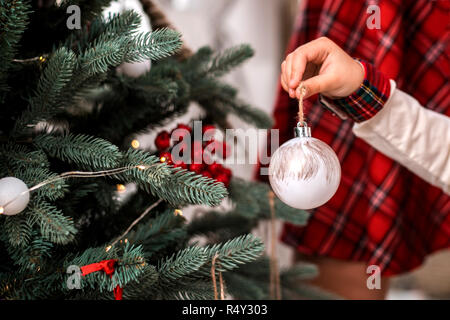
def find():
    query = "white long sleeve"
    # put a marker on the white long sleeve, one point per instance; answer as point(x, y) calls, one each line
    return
point(416, 137)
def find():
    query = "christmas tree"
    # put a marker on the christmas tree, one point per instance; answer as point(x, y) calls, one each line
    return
point(68, 121)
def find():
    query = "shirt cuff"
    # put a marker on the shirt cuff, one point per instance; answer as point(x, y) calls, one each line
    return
point(367, 100)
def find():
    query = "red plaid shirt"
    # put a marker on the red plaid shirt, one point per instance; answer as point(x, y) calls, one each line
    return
point(382, 213)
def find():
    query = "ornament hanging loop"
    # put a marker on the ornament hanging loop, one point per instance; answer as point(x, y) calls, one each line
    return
point(302, 130)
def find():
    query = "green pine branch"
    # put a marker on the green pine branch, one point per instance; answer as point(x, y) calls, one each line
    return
point(221, 98)
point(143, 288)
point(192, 290)
point(178, 187)
point(245, 288)
point(17, 230)
point(159, 232)
point(234, 252)
point(17, 157)
point(83, 150)
point(251, 199)
point(54, 226)
point(44, 104)
point(153, 45)
point(35, 175)
point(89, 8)
point(181, 264)
point(13, 22)
point(219, 226)
point(229, 59)
point(33, 256)
point(130, 265)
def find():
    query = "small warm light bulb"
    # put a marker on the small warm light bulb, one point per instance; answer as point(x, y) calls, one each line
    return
point(178, 212)
point(126, 240)
point(135, 144)
point(163, 159)
point(41, 59)
point(2, 210)
point(121, 188)
point(141, 167)
point(108, 248)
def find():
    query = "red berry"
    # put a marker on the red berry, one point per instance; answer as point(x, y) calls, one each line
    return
point(165, 157)
point(162, 140)
point(197, 168)
point(180, 132)
point(206, 174)
point(208, 132)
point(227, 172)
point(208, 127)
point(224, 179)
point(184, 126)
point(215, 169)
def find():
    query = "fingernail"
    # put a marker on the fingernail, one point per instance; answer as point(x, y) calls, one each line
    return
point(291, 92)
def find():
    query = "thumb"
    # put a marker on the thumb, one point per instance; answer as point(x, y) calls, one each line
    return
point(316, 84)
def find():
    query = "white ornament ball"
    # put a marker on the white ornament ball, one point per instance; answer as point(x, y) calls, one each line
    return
point(14, 196)
point(134, 69)
point(304, 172)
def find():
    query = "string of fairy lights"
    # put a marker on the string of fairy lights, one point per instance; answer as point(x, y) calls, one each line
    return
point(24, 193)
point(93, 174)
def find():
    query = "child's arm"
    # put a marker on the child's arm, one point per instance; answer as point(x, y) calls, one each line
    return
point(388, 119)
point(416, 137)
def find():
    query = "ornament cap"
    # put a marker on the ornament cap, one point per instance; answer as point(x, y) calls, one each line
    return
point(302, 130)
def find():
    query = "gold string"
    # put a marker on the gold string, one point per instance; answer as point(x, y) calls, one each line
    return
point(301, 115)
point(275, 290)
point(213, 275)
point(222, 291)
point(134, 223)
point(213, 278)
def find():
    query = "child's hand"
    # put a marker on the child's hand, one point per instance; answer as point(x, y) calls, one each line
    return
point(323, 68)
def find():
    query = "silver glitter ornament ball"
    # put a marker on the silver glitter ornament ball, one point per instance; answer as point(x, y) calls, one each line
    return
point(304, 172)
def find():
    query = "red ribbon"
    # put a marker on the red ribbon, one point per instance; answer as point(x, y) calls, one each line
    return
point(108, 266)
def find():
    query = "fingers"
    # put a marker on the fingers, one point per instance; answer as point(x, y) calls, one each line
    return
point(297, 69)
point(293, 68)
point(283, 84)
point(283, 76)
point(316, 85)
point(288, 71)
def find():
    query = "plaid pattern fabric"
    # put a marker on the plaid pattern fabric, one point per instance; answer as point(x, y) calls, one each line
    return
point(382, 213)
point(365, 102)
